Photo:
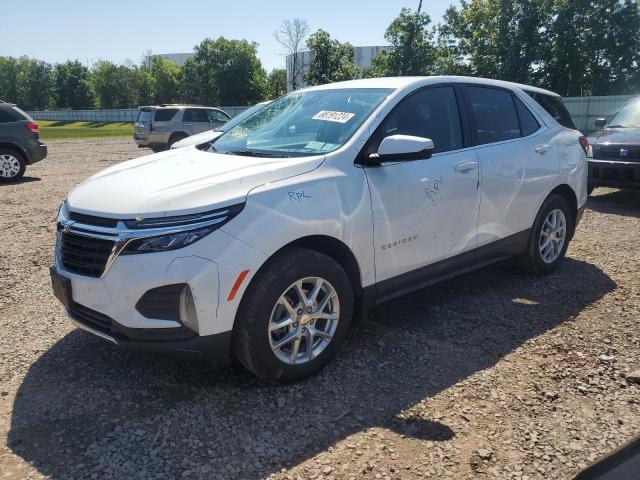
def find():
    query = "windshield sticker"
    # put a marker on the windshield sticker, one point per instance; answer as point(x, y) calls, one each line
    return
point(331, 116)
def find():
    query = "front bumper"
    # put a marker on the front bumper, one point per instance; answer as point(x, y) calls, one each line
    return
point(213, 349)
point(614, 173)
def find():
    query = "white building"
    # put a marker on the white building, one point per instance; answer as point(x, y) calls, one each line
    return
point(362, 57)
point(179, 58)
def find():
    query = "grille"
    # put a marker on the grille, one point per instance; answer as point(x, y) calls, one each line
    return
point(91, 318)
point(91, 220)
point(612, 152)
point(84, 255)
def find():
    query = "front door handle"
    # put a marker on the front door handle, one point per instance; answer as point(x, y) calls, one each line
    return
point(188, 124)
point(466, 167)
point(542, 149)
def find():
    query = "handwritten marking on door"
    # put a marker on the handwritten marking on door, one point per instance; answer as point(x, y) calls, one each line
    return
point(432, 190)
point(296, 197)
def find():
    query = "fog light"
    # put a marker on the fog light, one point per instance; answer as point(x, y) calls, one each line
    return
point(188, 316)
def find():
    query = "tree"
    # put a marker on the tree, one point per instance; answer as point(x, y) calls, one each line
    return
point(8, 72)
point(73, 86)
point(225, 72)
point(277, 82)
point(291, 36)
point(167, 76)
point(411, 47)
point(331, 60)
point(34, 84)
point(115, 85)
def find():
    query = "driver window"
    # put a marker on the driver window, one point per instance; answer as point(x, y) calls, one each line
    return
point(431, 113)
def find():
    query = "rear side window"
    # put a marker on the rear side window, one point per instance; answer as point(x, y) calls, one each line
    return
point(528, 123)
point(6, 117)
point(195, 115)
point(554, 107)
point(494, 114)
point(165, 114)
point(20, 114)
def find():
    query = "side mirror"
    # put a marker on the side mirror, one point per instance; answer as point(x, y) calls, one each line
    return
point(600, 122)
point(398, 148)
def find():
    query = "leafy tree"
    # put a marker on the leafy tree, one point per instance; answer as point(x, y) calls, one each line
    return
point(34, 84)
point(167, 76)
point(291, 36)
point(73, 86)
point(277, 82)
point(412, 51)
point(331, 60)
point(115, 85)
point(225, 72)
point(8, 73)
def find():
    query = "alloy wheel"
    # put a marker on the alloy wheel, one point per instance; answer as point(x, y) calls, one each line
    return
point(304, 320)
point(9, 165)
point(553, 236)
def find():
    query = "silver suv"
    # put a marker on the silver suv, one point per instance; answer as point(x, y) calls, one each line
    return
point(159, 127)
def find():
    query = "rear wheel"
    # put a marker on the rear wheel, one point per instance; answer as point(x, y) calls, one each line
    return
point(590, 189)
point(12, 165)
point(176, 137)
point(293, 317)
point(549, 237)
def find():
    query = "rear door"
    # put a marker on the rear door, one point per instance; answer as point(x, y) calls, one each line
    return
point(195, 120)
point(518, 161)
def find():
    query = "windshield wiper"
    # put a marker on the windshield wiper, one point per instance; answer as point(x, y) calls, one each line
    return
point(617, 126)
point(253, 153)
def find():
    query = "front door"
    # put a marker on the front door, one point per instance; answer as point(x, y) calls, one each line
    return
point(424, 211)
point(195, 120)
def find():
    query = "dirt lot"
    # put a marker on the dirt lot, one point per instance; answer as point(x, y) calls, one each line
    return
point(492, 375)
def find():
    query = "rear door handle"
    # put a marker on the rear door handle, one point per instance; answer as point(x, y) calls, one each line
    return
point(466, 167)
point(542, 149)
point(188, 124)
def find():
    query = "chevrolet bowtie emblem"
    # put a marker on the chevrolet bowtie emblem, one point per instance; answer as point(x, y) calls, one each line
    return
point(139, 219)
point(624, 152)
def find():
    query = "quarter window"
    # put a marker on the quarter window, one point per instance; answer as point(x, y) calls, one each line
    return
point(6, 117)
point(431, 113)
point(494, 115)
point(165, 114)
point(528, 123)
point(217, 116)
point(555, 108)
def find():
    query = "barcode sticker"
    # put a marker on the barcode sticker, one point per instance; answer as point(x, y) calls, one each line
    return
point(331, 116)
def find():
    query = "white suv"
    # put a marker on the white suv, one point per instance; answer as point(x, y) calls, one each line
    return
point(266, 245)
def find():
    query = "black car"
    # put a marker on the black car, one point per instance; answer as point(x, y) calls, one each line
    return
point(614, 156)
point(20, 143)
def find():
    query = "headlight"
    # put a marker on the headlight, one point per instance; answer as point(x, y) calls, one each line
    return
point(172, 241)
point(170, 233)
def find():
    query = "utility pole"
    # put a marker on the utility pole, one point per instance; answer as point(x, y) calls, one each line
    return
point(420, 6)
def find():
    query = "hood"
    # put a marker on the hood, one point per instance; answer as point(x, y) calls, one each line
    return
point(197, 139)
point(616, 136)
point(180, 181)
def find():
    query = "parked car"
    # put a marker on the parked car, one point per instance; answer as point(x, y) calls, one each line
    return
point(20, 143)
point(614, 156)
point(211, 135)
point(327, 201)
point(159, 127)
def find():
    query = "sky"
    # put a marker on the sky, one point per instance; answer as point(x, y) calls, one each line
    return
point(117, 30)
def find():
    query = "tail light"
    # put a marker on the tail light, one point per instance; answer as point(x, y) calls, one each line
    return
point(584, 143)
point(33, 126)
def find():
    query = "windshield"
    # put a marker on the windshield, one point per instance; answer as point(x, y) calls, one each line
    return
point(241, 117)
point(302, 123)
point(627, 116)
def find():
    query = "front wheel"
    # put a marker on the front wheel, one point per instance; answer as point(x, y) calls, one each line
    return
point(549, 237)
point(293, 316)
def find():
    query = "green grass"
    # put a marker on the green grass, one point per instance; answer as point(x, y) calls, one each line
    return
point(51, 130)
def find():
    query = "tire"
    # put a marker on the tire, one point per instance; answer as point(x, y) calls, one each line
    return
point(157, 149)
point(176, 137)
point(12, 165)
point(534, 260)
point(590, 189)
point(255, 343)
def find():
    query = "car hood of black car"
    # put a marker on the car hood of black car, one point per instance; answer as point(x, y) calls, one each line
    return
point(616, 136)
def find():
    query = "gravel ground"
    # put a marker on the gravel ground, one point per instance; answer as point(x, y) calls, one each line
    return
point(492, 375)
